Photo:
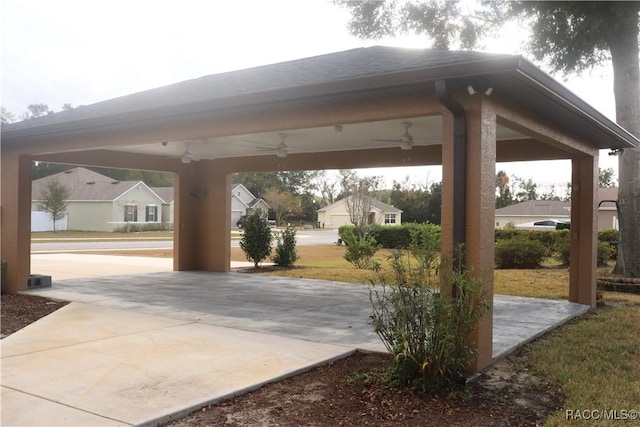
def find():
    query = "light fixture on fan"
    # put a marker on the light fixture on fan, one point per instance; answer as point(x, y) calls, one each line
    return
point(187, 157)
point(281, 149)
point(405, 141)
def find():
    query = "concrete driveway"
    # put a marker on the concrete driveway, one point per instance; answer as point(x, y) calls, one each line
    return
point(141, 349)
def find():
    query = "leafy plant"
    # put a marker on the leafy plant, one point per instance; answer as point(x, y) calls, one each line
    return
point(359, 250)
point(519, 253)
point(426, 332)
point(256, 241)
point(286, 253)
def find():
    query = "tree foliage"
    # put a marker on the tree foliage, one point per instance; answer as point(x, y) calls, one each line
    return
point(257, 237)
point(284, 204)
point(605, 178)
point(357, 192)
point(54, 200)
point(418, 203)
point(7, 117)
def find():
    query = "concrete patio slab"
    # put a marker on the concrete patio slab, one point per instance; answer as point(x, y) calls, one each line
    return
point(100, 371)
point(188, 338)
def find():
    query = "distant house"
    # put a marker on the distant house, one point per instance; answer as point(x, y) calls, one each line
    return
point(537, 211)
point(100, 203)
point(243, 200)
point(167, 195)
point(607, 211)
point(532, 211)
point(337, 214)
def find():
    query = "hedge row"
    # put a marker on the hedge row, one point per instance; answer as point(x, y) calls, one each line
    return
point(515, 248)
point(394, 237)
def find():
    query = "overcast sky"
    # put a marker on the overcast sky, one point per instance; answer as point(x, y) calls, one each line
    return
point(84, 51)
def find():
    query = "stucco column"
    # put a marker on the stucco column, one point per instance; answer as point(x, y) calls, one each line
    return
point(480, 218)
point(202, 218)
point(480, 208)
point(15, 217)
point(584, 230)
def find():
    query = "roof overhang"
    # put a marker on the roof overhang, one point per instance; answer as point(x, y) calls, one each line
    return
point(512, 78)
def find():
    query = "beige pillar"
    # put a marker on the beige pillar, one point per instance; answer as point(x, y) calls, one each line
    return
point(15, 217)
point(480, 228)
point(480, 207)
point(202, 218)
point(583, 254)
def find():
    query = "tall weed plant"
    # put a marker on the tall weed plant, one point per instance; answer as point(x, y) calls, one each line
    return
point(426, 331)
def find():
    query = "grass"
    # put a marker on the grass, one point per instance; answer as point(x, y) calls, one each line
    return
point(594, 359)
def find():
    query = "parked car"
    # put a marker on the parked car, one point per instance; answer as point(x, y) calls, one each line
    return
point(547, 224)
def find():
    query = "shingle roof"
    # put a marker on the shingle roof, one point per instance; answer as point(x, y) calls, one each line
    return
point(331, 67)
point(383, 207)
point(338, 75)
point(165, 193)
point(84, 185)
point(536, 208)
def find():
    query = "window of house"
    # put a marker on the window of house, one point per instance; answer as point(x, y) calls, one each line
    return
point(130, 213)
point(389, 219)
point(151, 213)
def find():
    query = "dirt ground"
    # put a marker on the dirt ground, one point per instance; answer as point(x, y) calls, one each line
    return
point(349, 392)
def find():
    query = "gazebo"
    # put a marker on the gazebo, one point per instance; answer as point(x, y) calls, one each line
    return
point(462, 110)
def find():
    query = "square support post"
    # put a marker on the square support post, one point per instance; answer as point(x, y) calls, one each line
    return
point(584, 230)
point(480, 208)
point(202, 218)
point(15, 217)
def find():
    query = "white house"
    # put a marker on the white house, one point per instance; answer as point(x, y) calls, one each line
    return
point(242, 200)
point(337, 214)
point(99, 203)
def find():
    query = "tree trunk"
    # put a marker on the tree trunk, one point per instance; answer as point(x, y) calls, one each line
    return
point(623, 45)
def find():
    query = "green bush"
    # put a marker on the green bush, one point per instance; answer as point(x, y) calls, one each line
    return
point(611, 237)
point(548, 238)
point(519, 253)
point(563, 246)
point(393, 237)
point(134, 227)
point(427, 334)
point(286, 253)
point(257, 237)
point(359, 251)
point(606, 251)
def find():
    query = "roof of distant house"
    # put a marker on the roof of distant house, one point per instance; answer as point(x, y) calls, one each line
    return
point(546, 208)
point(84, 184)
point(383, 207)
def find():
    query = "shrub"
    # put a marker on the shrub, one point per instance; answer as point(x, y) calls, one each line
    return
point(519, 253)
point(393, 237)
point(359, 251)
point(426, 333)
point(286, 253)
point(256, 241)
point(611, 237)
point(605, 252)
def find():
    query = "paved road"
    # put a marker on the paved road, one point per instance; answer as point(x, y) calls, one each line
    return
point(306, 237)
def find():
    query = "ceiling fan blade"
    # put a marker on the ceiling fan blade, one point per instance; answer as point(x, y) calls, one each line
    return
point(385, 140)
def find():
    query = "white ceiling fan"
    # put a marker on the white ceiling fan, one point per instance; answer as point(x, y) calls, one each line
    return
point(281, 150)
point(187, 156)
point(405, 141)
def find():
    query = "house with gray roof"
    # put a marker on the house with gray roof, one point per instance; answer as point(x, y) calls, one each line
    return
point(100, 203)
point(337, 214)
point(532, 211)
